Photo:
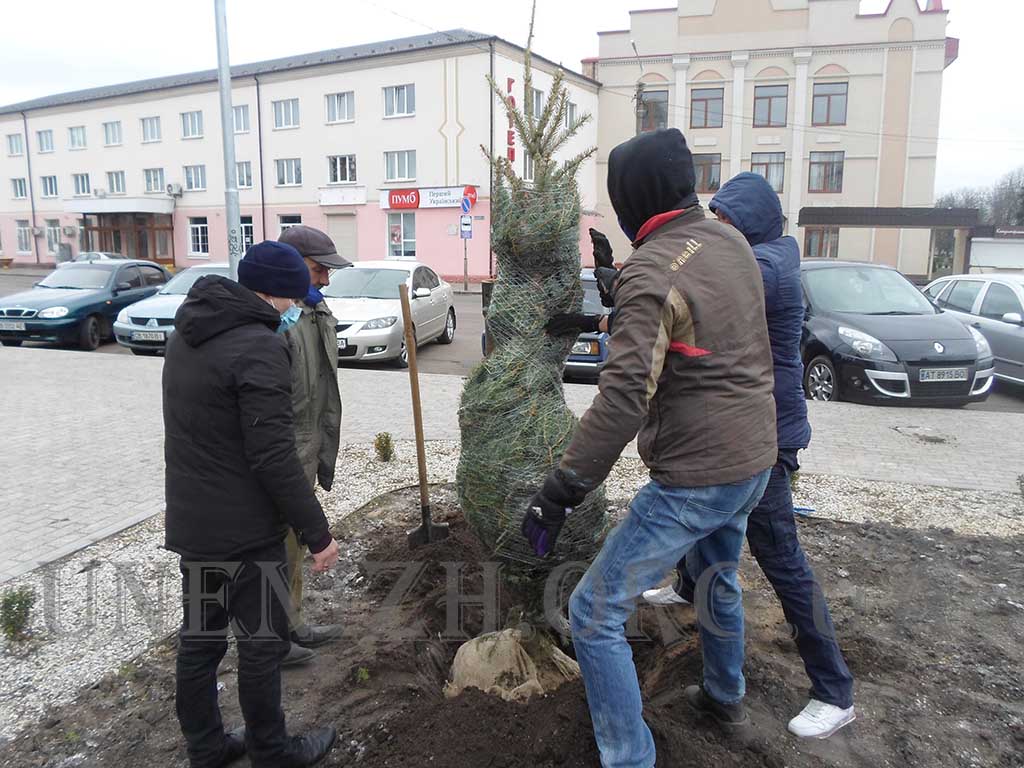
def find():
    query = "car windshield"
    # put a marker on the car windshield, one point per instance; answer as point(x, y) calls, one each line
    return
point(354, 283)
point(592, 299)
point(84, 277)
point(182, 283)
point(866, 291)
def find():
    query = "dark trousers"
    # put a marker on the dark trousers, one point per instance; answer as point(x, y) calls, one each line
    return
point(241, 594)
point(772, 535)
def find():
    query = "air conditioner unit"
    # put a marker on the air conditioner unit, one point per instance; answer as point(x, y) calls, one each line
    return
point(70, 231)
point(174, 190)
point(100, 192)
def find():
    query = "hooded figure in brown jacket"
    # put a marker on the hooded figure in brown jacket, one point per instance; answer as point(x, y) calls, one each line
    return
point(690, 370)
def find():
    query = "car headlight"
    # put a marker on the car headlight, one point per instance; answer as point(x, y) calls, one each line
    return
point(122, 316)
point(380, 322)
point(586, 348)
point(865, 345)
point(54, 312)
point(984, 348)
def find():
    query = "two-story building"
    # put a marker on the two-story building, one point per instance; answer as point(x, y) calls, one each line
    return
point(834, 107)
point(375, 144)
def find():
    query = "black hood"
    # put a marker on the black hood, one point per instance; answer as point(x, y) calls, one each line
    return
point(650, 174)
point(216, 304)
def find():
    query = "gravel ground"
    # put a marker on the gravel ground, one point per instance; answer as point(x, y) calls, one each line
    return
point(105, 605)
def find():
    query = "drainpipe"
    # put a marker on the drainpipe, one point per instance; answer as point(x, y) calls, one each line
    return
point(259, 145)
point(31, 187)
point(490, 181)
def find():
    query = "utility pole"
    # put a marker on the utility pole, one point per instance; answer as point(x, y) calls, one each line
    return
point(232, 217)
point(641, 108)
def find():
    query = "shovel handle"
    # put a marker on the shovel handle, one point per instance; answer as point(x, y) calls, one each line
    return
point(417, 412)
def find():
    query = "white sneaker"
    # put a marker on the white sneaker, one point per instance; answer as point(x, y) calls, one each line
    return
point(664, 596)
point(820, 720)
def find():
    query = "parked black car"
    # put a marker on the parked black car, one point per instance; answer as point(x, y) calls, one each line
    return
point(870, 336)
point(78, 302)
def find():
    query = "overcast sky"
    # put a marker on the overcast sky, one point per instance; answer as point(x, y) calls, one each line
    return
point(50, 46)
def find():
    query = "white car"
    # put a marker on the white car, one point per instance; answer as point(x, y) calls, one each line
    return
point(144, 326)
point(364, 298)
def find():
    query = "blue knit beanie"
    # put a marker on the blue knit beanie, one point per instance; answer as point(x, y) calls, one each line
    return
point(275, 269)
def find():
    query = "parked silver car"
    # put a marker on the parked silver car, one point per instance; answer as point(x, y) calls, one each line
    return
point(365, 300)
point(144, 326)
point(994, 304)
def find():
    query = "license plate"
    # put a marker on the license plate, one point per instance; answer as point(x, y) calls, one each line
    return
point(342, 343)
point(7, 325)
point(147, 336)
point(943, 374)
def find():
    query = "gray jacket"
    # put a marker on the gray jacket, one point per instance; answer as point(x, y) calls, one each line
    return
point(316, 400)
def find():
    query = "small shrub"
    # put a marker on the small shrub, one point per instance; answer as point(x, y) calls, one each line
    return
point(384, 446)
point(362, 675)
point(15, 611)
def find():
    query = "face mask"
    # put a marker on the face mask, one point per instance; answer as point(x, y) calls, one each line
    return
point(289, 318)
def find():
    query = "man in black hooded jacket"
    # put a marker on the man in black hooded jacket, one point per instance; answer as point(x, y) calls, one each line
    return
point(234, 483)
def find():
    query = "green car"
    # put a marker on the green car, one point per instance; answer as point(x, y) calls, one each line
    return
point(77, 303)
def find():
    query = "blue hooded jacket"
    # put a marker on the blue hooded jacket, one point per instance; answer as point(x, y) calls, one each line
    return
point(753, 207)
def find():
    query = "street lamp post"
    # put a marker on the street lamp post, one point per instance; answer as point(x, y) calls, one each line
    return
point(227, 125)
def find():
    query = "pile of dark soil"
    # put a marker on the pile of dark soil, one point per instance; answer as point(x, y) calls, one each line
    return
point(930, 622)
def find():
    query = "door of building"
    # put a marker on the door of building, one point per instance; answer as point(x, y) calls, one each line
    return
point(342, 229)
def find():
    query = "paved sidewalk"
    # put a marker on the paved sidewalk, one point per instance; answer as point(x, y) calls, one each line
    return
point(82, 443)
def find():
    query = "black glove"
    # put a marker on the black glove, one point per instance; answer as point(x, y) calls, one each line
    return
point(602, 250)
point(573, 324)
point(604, 267)
point(546, 513)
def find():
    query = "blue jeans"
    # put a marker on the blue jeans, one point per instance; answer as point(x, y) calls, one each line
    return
point(663, 525)
point(772, 534)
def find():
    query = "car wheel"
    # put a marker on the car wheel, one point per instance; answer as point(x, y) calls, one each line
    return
point(89, 334)
point(402, 361)
point(11, 342)
point(448, 335)
point(821, 381)
point(144, 352)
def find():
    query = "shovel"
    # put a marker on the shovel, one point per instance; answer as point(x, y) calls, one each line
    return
point(428, 531)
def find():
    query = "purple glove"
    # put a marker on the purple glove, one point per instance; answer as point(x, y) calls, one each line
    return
point(546, 513)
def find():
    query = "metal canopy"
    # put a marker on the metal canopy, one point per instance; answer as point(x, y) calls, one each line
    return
point(902, 218)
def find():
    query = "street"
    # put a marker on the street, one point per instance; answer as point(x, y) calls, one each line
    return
point(460, 357)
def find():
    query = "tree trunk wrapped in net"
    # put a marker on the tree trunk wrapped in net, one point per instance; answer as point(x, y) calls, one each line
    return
point(513, 417)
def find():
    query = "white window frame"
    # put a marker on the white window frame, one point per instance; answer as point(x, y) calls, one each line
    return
point(192, 124)
point(198, 232)
point(151, 126)
point(282, 225)
point(74, 133)
point(83, 186)
point(15, 145)
point(288, 171)
point(243, 174)
point(195, 178)
point(19, 189)
point(336, 163)
point(394, 160)
point(52, 235)
point(47, 146)
point(396, 96)
point(240, 118)
point(49, 186)
point(286, 114)
point(23, 235)
point(571, 111)
point(248, 231)
point(112, 130)
point(529, 167)
point(151, 175)
point(402, 219)
point(346, 99)
point(115, 182)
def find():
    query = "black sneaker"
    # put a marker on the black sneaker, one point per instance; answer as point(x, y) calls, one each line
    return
point(297, 655)
point(731, 716)
point(310, 749)
point(311, 636)
point(234, 746)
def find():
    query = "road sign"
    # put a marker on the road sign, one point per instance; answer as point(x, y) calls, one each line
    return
point(466, 205)
point(466, 227)
point(469, 193)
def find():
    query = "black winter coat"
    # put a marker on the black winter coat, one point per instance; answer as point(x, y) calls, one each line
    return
point(233, 477)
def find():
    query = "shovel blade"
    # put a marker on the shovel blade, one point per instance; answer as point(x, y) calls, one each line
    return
point(427, 534)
